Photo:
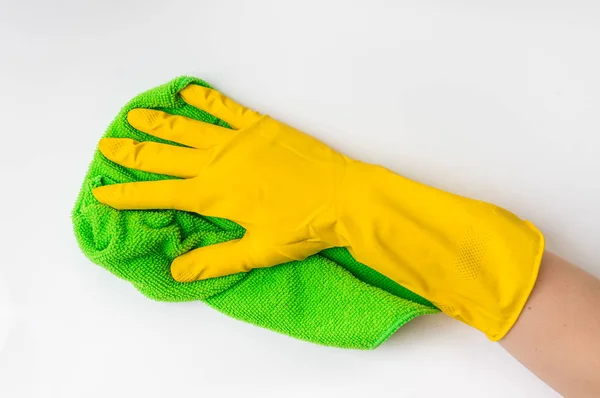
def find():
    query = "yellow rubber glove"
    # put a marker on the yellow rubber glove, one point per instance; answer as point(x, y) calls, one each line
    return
point(295, 196)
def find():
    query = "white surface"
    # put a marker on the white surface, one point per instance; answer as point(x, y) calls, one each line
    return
point(494, 100)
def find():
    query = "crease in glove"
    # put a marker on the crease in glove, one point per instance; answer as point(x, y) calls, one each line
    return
point(328, 298)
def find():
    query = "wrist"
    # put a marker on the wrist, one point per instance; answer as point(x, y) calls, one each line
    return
point(475, 261)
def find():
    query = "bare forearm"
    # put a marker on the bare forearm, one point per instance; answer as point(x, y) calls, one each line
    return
point(557, 335)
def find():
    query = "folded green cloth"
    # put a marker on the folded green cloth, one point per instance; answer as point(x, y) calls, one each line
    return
point(328, 298)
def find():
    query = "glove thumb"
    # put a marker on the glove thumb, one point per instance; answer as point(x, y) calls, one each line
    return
point(222, 259)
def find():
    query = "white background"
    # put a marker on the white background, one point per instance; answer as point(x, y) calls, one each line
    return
point(493, 100)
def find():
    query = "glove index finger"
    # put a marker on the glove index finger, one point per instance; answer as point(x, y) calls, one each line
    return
point(146, 195)
point(219, 105)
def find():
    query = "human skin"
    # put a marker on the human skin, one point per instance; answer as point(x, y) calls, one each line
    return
point(557, 335)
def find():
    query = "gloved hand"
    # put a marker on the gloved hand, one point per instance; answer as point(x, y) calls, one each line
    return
point(295, 196)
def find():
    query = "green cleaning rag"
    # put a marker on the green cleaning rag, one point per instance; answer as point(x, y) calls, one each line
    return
point(328, 298)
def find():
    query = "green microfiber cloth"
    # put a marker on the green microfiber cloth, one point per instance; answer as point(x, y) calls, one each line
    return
point(328, 298)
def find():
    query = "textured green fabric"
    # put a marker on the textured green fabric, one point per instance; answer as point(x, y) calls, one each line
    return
point(328, 298)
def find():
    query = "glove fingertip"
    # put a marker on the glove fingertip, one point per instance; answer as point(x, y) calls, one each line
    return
point(182, 270)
